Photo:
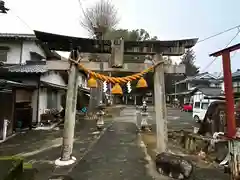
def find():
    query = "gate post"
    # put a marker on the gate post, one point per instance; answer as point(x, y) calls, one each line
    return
point(160, 105)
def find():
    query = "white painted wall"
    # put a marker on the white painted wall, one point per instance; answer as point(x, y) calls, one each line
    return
point(51, 77)
point(198, 96)
point(82, 81)
point(14, 54)
point(30, 46)
point(222, 86)
point(190, 86)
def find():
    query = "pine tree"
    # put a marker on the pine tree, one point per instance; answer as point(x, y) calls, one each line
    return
point(188, 60)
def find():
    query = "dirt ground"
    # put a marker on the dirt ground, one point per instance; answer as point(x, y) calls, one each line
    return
point(203, 170)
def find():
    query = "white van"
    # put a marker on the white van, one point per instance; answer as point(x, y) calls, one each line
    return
point(200, 109)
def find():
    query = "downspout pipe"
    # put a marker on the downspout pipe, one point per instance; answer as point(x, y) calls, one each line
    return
point(38, 97)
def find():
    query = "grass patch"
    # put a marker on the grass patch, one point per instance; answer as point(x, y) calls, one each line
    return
point(27, 166)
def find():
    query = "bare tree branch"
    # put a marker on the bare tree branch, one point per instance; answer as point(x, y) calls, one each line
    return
point(101, 17)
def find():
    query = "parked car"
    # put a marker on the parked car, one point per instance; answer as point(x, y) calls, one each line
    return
point(200, 109)
point(188, 107)
point(215, 119)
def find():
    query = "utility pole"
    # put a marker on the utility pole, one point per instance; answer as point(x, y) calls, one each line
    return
point(160, 105)
point(99, 36)
point(70, 115)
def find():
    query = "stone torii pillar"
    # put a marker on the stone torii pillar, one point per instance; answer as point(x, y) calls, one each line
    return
point(160, 105)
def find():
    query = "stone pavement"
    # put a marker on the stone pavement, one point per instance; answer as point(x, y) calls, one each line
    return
point(116, 156)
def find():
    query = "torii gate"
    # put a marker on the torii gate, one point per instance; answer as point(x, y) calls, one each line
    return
point(232, 134)
point(117, 48)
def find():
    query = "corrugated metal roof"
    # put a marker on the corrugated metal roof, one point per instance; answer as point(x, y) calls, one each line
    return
point(17, 36)
point(28, 68)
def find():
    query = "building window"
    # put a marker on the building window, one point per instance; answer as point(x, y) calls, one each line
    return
point(35, 56)
point(204, 105)
point(236, 87)
point(3, 55)
point(197, 105)
point(52, 99)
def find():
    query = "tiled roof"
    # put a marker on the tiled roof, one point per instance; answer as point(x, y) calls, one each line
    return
point(209, 91)
point(4, 83)
point(28, 68)
point(236, 74)
point(56, 86)
point(198, 77)
point(17, 36)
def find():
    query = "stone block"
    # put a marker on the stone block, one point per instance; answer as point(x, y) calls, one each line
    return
point(173, 166)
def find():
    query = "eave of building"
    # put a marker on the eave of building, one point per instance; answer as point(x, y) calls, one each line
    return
point(13, 36)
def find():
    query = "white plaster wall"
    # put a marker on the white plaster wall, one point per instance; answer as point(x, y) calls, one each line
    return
point(222, 86)
point(30, 46)
point(13, 56)
point(190, 87)
point(82, 81)
point(42, 104)
point(42, 101)
point(14, 53)
point(198, 96)
point(212, 85)
point(53, 77)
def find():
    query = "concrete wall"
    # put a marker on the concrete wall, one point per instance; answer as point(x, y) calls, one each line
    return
point(14, 54)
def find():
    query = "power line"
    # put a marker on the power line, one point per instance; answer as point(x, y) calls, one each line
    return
point(225, 47)
point(24, 22)
point(220, 33)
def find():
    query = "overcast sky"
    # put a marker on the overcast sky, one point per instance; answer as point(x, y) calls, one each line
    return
point(167, 19)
